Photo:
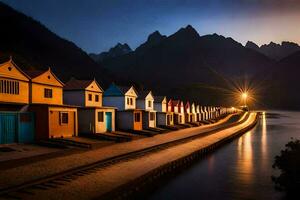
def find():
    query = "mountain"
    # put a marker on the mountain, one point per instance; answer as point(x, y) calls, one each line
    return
point(118, 50)
point(284, 92)
point(153, 39)
point(275, 51)
point(187, 65)
point(34, 46)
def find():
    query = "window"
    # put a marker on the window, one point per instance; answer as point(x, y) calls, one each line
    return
point(90, 97)
point(9, 87)
point(149, 104)
point(64, 118)
point(47, 93)
point(131, 101)
point(152, 116)
point(97, 98)
point(127, 101)
point(137, 117)
point(100, 116)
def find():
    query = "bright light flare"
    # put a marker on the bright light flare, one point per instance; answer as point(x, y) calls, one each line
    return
point(244, 95)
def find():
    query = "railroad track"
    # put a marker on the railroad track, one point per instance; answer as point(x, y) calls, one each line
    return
point(27, 190)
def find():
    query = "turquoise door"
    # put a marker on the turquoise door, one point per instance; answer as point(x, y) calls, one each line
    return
point(8, 130)
point(26, 128)
point(108, 116)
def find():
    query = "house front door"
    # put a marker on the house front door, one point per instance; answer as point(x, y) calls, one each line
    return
point(8, 130)
point(108, 116)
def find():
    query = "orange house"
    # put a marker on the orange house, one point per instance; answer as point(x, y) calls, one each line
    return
point(53, 119)
point(14, 84)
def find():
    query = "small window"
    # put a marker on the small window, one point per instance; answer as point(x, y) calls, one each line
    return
point(64, 118)
point(127, 100)
point(97, 98)
point(100, 116)
point(149, 104)
point(131, 101)
point(90, 97)
point(152, 116)
point(137, 117)
point(47, 93)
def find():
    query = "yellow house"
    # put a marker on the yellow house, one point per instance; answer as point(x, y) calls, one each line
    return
point(45, 88)
point(53, 119)
point(14, 84)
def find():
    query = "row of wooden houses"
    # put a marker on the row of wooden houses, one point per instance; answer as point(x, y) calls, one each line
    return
point(36, 105)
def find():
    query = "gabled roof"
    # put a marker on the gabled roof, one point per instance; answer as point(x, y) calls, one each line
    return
point(143, 94)
point(159, 99)
point(36, 73)
point(116, 90)
point(124, 89)
point(11, 62)
point(75, 84)
point(187, 104)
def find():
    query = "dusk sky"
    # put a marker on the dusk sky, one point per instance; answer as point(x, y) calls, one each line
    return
point(96, 25)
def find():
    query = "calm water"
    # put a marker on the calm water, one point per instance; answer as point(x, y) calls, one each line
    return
point(240, 169)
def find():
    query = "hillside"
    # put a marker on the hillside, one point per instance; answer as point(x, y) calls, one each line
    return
point(284, 90)
point(34, 46)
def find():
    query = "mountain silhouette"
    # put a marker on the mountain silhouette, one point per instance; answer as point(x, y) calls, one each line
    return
point(275, 51)
point(153, 39)
point(34, 46)
point(118, 50)
point(187, 65)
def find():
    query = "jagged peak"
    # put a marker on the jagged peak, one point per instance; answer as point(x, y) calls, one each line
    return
point(186, 32)
point(252, 45)
point(121, 46)
point(155, 36)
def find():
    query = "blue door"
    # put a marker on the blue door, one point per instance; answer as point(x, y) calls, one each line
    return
point(108, 116)
point(8, 130)
point(26, 127)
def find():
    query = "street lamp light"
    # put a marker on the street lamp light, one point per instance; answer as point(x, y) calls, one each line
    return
point(244, 97)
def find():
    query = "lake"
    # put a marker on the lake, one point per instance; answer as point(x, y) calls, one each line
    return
point(241, 169)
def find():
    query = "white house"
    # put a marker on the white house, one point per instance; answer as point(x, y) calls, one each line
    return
point(198, 113)
point(145, 101)
point(128, 117)
point(164, 117)
point(93, 117)
point(193, 113)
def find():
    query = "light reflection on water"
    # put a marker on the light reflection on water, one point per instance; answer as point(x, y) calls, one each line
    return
point(241, 169)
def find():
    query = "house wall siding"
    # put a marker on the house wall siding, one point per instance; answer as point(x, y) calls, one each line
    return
point(74, 97)
point(56, 129)
point(37, 94)
point(22, 97)
point(93, 102)
point(114, 101)
point(86, 121)
point(124, 120)
point(161, 119)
